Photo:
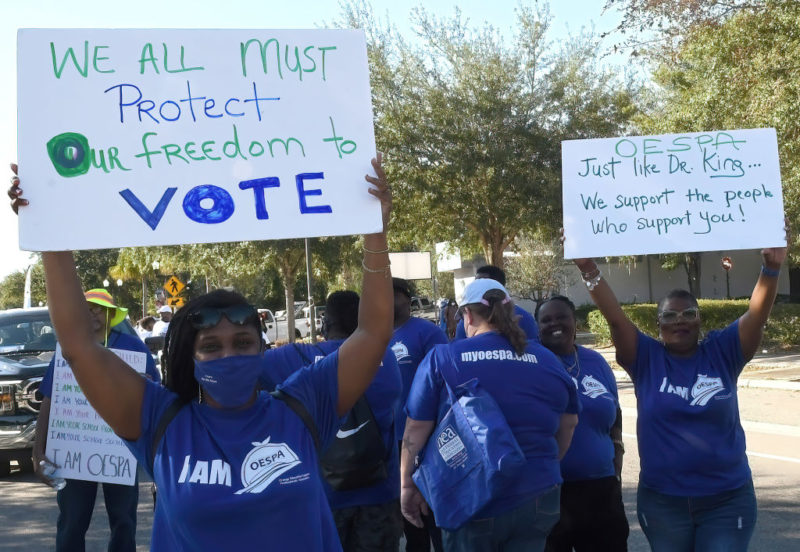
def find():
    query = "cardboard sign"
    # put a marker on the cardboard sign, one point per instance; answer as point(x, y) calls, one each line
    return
point(672, 193)
point(78, 439)
point(156, 137)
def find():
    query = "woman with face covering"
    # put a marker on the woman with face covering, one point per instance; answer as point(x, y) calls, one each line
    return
point(695, 486)
point(235, 468)
point(592, 514)
point(537, 399)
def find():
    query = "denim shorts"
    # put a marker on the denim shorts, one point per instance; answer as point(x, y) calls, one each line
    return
point(722, 522)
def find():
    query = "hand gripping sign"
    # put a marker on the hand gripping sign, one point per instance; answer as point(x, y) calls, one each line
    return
point(704, 191)
point(156, 137)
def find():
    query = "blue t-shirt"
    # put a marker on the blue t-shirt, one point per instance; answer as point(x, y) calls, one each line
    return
point(238, 480)
point(410, 343)
point(691, 441)
point(591, 453)
point(116, 340)
point(532, 391)
point(527, 322)
point(383, 397)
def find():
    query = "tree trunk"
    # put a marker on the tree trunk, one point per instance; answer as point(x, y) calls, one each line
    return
point(493, 246)
point(692, 265)
point(289, 292)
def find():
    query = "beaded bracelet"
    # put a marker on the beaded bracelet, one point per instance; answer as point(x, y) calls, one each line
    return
point(591, 284)
point(770, 272)
point(385, 269)
point(591, 275)
point(375, 252)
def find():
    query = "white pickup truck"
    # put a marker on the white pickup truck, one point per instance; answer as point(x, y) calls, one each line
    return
point(276, 326)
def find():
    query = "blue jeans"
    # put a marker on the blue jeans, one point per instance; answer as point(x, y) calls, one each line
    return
point(722, 522)
point(75, 506)
point(523, 529)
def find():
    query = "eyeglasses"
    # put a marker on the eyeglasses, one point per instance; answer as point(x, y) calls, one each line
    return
point(671, 316)
point(208, 317)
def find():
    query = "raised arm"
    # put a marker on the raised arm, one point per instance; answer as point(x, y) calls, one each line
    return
point(623, 333)
point(113, 388)
point(751, 323)
point(360, 356)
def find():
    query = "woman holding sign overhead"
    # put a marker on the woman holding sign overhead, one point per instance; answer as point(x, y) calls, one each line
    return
point(234, 467)
point(695, 487)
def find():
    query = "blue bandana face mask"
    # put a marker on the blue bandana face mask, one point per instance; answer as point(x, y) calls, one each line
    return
point(230, 380)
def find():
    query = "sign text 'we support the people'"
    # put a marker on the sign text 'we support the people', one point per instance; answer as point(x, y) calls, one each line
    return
point(672, 193)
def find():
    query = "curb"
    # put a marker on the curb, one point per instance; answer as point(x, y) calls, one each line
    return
point(770, 384)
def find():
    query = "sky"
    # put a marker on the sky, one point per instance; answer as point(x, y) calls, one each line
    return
point(569, 17)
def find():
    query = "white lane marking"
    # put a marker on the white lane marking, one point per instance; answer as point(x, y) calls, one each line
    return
point(749, 453)
point(774, 457)
point(758, 427)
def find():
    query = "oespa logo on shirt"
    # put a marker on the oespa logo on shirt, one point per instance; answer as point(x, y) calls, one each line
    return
point(705, 388)
point(702, 391)
point(400, 351)
point(592, 388)
point(265, 463)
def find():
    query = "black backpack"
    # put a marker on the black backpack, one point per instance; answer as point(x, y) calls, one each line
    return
point(357, 458)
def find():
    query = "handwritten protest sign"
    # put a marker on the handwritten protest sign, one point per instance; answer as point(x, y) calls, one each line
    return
point(672, 193)
point(78, 439)
point(156, 137)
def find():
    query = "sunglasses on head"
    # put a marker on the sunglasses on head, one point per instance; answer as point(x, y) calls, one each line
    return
point(208, 317)
point(671, 316)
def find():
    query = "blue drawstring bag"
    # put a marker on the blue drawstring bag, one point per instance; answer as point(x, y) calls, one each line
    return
point(470, 457)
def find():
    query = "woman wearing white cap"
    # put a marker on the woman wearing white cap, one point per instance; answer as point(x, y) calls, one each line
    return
point(538, 400)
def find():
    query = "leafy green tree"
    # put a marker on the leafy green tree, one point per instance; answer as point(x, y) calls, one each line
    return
point(739, 73)
point(12, 288)
point(472, 125)
point(538, 269)
point(657, 28)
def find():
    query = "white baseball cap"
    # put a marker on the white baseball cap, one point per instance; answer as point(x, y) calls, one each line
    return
point(476, 289)
point(164, 308)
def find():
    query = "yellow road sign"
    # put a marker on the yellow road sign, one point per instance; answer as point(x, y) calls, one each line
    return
point(176, 302)
point(173, 286)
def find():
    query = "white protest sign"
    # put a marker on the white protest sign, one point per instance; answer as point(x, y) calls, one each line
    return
point(705, 191)
point(155, 137)
point(78, 439)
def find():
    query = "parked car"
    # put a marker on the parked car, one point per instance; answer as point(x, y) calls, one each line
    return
point(27, 343)
point(421, 307)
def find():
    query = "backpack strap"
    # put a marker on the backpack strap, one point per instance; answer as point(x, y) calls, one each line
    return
point(298, 408)
point(163, 422)
point(302, 354)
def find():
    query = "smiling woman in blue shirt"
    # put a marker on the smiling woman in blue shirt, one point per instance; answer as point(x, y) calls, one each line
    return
point(235, 468)
point(695, 487)
point(592, 513)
